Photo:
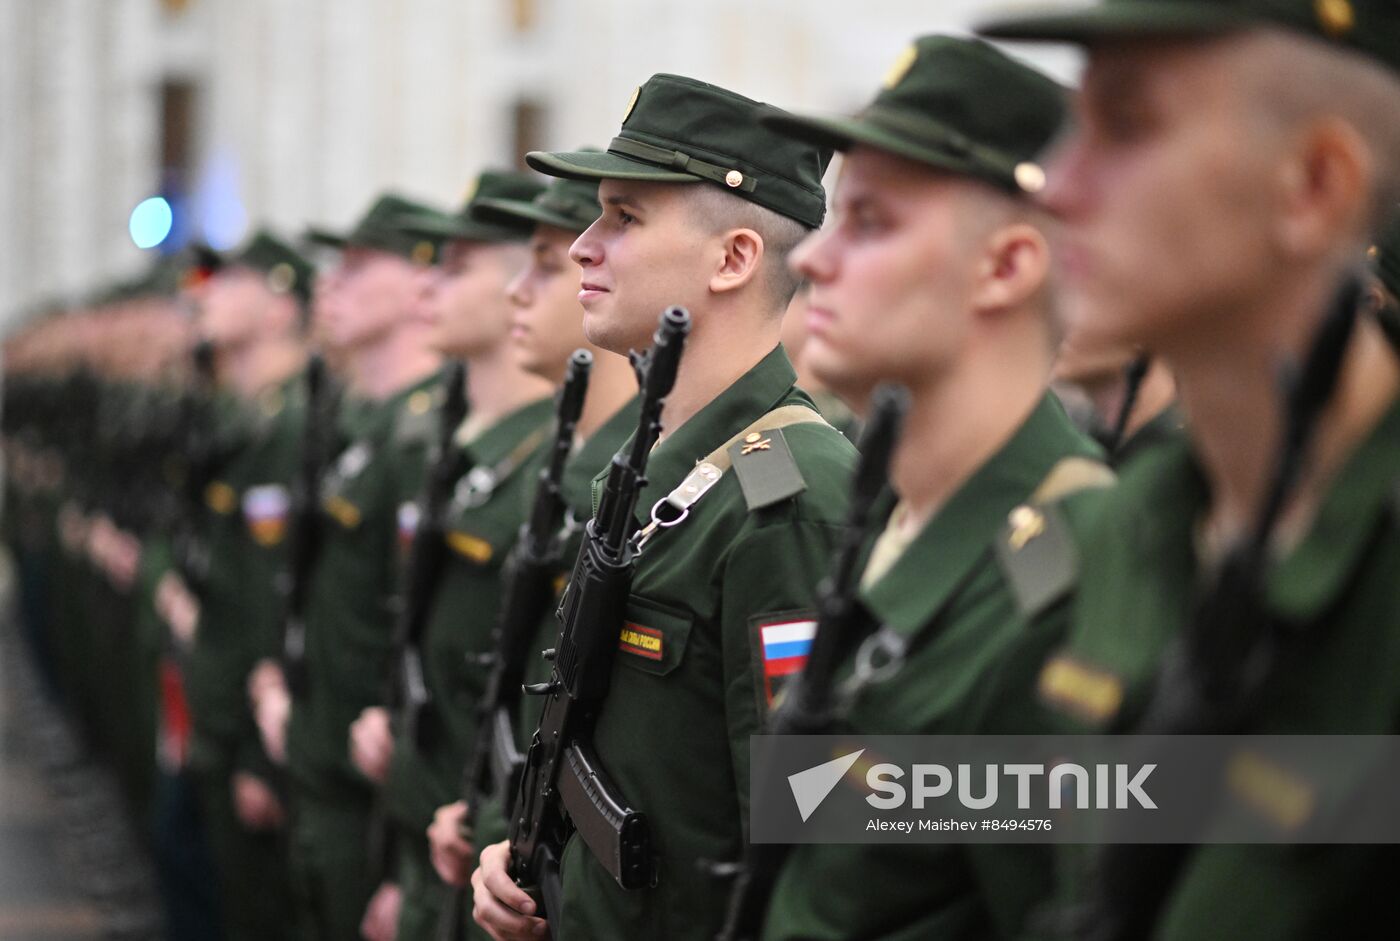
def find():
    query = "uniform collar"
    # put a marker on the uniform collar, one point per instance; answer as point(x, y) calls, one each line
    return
point(374, 418)
point(1311, 577)
point(595, 453)
point(498, 439)
point(957, 540)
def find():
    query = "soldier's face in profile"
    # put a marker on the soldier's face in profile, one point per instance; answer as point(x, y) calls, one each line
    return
point(374, 293)
point(547, 323)
point(232, 305)
point(465, 296)
point(646, 252)
point(890, 275)
point(1163, 189)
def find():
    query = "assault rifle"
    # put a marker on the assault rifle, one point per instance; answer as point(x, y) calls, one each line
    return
point(563, 787)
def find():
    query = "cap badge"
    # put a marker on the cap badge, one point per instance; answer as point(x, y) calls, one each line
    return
point(1030, 177)
point(281, 277)
point(1336, 17)
point(422, 253)
point(631, 103)
point(901, 66)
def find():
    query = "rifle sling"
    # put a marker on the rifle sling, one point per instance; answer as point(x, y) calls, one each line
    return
point(710, 469)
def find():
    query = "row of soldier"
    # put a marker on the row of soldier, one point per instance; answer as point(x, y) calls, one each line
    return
point(1213, 202)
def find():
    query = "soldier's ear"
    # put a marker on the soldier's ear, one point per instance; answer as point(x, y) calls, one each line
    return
point(1324, 185)
point(1012, 269)
point(743, 252)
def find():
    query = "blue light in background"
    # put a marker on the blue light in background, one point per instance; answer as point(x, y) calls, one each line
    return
point(222, 219)
point(151, 222)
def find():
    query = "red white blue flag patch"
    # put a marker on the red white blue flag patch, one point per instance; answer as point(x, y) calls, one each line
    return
point(785, 646)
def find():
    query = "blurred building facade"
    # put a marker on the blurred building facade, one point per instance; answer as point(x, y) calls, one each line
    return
point(297, 111)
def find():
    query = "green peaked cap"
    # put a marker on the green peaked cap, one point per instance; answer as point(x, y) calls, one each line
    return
point(564, 204)
point(958, 105)
point(1371, 27)
point(383, 227)
point(467, 223)
point(679, 130)
point(287, 270)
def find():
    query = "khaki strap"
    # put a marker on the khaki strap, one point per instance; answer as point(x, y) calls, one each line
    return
point(712, 467)
point(1071, 475)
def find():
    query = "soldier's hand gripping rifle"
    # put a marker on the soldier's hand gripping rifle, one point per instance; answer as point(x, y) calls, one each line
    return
point(407, 697)
point(808, 705)
point(495, 763)
point(304, 541)
point(563, 787)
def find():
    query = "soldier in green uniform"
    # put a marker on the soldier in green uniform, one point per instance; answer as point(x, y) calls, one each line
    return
point(507, 425)
point(372, 317)
point(547, 326)
point(252, 313)
point(1229, 167)
point(935, 275)
point(700, 205)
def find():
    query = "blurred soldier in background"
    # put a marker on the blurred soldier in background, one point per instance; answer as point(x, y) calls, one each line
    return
point(373, 318)
point(417, 755)
point(252, 315)
point(546, 328)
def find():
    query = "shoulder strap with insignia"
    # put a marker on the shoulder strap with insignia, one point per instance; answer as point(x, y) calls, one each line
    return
point(1035, 547)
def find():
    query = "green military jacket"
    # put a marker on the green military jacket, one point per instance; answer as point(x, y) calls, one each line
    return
point(354, 580)
point(482, 524)
point(248, 505)
point(974, 638)
point(1341, 676)
point(689, 688)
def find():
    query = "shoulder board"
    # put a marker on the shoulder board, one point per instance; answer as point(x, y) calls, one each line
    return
point(1038, 556)
point(1035, 547)
point(766, 469)
point(416, 420)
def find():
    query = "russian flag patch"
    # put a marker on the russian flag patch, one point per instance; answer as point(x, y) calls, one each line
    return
point(785, 645)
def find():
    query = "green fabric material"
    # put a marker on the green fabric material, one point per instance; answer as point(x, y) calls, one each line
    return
point(955, 104)
point(970, 668)
point(1371, 27)
point(286, 268)
point(349, 622)
point(470, 224)
point(674, 731)
point(246, 517)
point(385, 227)
point(424, 894)
point(1339, 675)
point(251, 867)
point(331, 879)
point(565, 204)
point(679, 130)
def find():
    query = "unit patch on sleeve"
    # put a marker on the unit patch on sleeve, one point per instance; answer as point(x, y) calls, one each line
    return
point(265, 509)
point(784, 645)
